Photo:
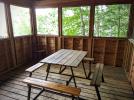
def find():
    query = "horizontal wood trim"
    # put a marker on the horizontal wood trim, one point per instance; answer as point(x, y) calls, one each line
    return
point(55, 3)
point(25, 3)
point(104, 50)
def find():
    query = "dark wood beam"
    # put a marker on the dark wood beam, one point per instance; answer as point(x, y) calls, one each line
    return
point(91, 20)
point(55, 3)
point(10, 32)
point(131, 23)
point(24, 3)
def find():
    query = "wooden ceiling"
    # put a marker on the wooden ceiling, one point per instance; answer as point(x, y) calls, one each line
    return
point(43, 3)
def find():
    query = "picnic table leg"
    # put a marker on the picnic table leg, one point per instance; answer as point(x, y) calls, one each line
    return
point(98, 94)
point(29, 92)
point(84, 69)
point(89, 70)
point(73, 77)
point(103, 78)
point(48, 69)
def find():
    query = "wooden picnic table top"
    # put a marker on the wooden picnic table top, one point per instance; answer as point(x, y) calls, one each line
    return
point(65, 57)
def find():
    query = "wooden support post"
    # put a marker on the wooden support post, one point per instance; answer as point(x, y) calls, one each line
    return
point(60, 27)
point(91, 29)
point(10, 33)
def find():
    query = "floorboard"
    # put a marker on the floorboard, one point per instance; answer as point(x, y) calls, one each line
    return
point(115, 87)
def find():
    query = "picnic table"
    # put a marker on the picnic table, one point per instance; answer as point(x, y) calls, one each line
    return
point(67, 58)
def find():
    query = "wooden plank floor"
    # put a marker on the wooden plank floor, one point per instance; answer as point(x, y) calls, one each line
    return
point(116, 86)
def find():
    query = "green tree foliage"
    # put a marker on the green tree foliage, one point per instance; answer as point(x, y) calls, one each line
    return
point(75, 21)
point(3, 27)
point(21, 21)
point(111, 20)
point(47, 21)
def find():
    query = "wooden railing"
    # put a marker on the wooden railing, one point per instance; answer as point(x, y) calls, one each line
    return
point(109, 51)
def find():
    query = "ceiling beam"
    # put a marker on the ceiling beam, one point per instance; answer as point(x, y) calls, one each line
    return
point(25, 3)
point(55, 3)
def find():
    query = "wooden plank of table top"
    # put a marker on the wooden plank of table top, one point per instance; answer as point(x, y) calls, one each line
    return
point(57, 57)
point(69, 57)
point(79, 59)
point(53, 86)
point(53, 56)
point(65, 57)
point(66, 54)
point(75, 56)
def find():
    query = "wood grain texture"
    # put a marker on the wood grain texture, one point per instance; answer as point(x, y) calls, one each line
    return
point(53, 86)
point(109, 51)
point(65, 57)
point(34, 67)
point(25, 3)
point(56, 3)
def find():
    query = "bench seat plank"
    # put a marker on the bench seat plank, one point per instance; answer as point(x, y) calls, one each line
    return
point(88, 59)
point(53, 86)
point(34, 67)
point(99, 78)
point(95, 74)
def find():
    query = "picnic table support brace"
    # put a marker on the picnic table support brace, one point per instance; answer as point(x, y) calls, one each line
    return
point(103, 78)
point(61, 70)
point(67, 83)
point(48, 69)
point(38, 94)
point(89, 70)
point(84, 69)
point(98, 94)
point(73, 77)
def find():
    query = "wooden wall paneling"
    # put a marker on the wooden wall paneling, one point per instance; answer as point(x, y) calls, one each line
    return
point(9, 54)
point(90, 42)
point(62, 44)
point(59, 43)
point(129, 57)
point(46, 49)
point(56, 43)
point(85, 44)
point(120, 52)
point(132, 65)
point(68, 42)
point(27, 49)
point(77, 43)
point(126, 53)
point(111, 51)
point(131, 68)
point(6, 53)
point(19, 51)
point(25, 46)
point(51, 45)
point(3, 58)
point(99, 49)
